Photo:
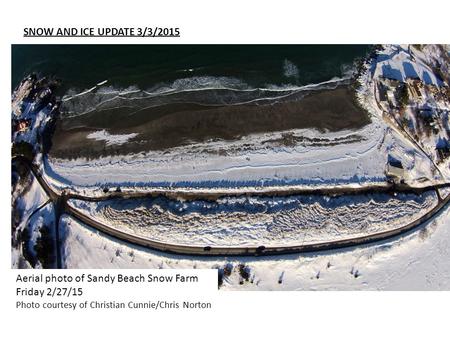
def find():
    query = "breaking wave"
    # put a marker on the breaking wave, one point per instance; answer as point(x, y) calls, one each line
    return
point(203, 90)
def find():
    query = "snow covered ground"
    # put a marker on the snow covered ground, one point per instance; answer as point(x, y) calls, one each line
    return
point(408, 85)
point(417, 261)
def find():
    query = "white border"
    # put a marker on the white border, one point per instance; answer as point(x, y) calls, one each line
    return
point(262, 314)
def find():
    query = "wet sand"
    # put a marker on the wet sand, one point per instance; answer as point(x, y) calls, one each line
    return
point(172, 125)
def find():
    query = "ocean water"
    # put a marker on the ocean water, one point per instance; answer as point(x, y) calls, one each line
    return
point(149, 66)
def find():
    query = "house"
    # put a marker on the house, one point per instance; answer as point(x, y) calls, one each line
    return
point(414, 91)
point(395, 170)
point(22, 125)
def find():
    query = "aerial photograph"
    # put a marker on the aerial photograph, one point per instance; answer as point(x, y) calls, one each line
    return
point(283, 167)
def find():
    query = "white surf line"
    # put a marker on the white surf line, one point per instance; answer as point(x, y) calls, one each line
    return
point(85, 92)
point(169, 92)
point(274, 98)
point(280, 89)
point(288, 92)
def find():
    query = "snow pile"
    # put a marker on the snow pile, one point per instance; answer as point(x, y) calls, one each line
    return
point(111, 139)
point(268, 221)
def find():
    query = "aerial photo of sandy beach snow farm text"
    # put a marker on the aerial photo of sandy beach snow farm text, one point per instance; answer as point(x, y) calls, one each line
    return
point(284, 167)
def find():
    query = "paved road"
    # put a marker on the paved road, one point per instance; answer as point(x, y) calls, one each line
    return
point(60, 200)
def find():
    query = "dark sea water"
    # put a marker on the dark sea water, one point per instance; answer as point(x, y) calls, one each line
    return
point(144, 66)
